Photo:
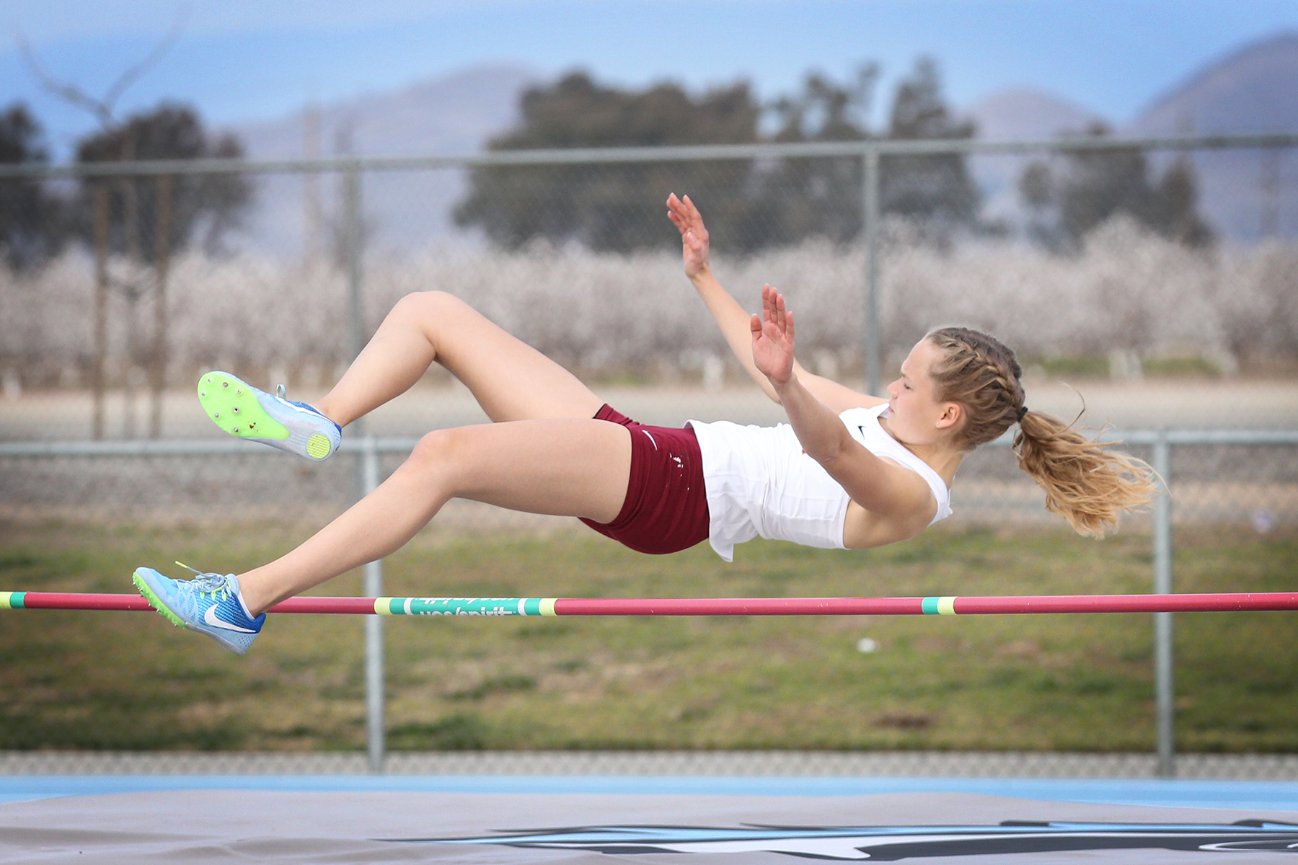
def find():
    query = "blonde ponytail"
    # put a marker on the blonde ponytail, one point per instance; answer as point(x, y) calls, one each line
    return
point(1085, 481)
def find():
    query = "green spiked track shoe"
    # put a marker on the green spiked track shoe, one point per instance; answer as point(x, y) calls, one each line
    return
point(211, 605)
point(245, 412)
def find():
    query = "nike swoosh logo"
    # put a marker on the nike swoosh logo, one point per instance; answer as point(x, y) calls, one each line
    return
point(210, 618)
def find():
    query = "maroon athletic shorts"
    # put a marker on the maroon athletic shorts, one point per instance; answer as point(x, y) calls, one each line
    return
point(666, 506)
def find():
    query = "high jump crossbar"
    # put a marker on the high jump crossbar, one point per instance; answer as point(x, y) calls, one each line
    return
point(897, 606)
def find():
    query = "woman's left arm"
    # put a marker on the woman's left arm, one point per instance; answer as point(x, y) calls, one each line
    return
point(816, 424)
point(873, 483)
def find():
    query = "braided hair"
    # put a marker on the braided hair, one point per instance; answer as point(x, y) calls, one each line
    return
point(1085, 482)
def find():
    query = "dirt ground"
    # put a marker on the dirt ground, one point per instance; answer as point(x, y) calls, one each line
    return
point(1122, 406)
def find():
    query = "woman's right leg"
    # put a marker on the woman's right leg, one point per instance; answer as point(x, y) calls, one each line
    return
point(509, 379)
point(562, 466)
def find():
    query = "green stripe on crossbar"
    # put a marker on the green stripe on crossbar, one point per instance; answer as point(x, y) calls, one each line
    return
point(938, 606)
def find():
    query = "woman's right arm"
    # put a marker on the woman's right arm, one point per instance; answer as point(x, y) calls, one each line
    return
point(733, 320)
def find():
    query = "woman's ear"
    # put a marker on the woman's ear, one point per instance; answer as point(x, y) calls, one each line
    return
point(951, 416)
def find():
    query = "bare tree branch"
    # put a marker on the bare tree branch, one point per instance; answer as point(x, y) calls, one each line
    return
point(103, 108)
point(130, 76)
point(67, 92)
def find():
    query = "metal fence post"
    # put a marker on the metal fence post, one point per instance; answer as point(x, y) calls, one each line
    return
point(375, 727)
point(870, 229)
point(367, 475)
point(1165, 694)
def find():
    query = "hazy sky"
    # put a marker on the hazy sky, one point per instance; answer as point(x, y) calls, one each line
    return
point(238, 60)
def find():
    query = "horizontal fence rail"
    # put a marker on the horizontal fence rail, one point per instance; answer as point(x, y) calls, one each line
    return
point(686, 153)
point(403, 444)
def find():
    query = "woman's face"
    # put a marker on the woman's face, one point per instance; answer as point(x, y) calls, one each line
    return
point(914, 413)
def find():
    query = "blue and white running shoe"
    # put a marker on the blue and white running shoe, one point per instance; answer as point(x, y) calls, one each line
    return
point(245, 412)
point(210, 604)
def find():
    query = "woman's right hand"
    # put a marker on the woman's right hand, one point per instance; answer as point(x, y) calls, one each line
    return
point(694, 234)
point(773, 338)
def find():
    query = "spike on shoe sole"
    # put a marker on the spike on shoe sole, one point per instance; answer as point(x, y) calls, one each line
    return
point(236, 409)
point(245, 412)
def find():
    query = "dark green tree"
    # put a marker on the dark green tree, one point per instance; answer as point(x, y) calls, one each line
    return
point(1176, 206)
point(1037, 192)
point(202, 207)
point(819, 197)
point(934, 190)
point(32, 220)
point(749, 205)
point(1097, 184)
point(612, 206)
point(823, 196)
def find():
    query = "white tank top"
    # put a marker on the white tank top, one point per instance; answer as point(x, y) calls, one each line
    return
point(760, 483)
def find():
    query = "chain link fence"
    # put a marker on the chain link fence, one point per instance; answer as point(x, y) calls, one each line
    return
point(1144, 327)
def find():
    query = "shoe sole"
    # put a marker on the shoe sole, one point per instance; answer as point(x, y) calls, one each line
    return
point(236, 408)
point(154, 601)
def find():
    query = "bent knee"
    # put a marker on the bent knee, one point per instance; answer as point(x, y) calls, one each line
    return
point(441, 451)
point(435, 303)
point(432, 447)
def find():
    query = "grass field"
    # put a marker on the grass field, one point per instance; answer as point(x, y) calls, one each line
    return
point(127, 681)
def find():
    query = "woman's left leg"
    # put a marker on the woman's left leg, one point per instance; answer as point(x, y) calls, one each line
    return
point(568, 467)
point(508, 378)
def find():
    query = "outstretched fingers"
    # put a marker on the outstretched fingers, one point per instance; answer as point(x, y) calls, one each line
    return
point(694, 235)
point(776, 312)
point(682, 212)
point(773, 337)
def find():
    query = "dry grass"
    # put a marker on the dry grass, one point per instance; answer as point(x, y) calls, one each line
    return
point(129, 681)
